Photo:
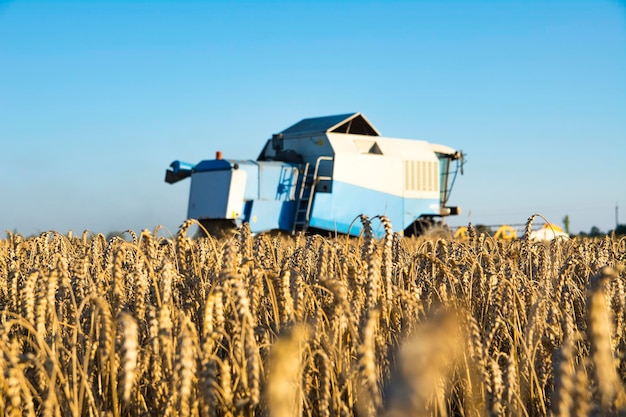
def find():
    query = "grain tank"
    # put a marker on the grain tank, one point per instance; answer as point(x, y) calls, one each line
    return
point(320, 174)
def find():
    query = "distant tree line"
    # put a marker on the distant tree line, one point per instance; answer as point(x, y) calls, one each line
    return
point(619, 231)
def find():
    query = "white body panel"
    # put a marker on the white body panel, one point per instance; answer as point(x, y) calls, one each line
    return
point(217, 194)
point(401, 167)
point(369, 171)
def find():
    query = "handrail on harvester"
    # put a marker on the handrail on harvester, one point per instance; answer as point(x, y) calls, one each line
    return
point(316, 180)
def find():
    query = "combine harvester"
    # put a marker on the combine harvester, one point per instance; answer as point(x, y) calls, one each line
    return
point(320, 175)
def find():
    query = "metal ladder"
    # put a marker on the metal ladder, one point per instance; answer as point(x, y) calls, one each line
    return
point(305, 196)
point(304, 202)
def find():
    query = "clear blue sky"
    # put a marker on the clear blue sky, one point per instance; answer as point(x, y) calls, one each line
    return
point(97, 98)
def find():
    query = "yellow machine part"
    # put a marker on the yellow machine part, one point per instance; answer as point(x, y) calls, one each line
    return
point(553, 227)
point(461, 233)
point(505, 232)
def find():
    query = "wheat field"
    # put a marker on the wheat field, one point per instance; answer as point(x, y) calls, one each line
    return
point(311, 326)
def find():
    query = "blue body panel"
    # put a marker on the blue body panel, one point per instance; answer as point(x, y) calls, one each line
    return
point(213, 165)
point(264, 215)
point(271, 189)
point(272, 205)
point(336, 211)
point(277, 181)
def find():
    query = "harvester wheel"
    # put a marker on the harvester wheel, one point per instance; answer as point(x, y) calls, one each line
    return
point(438, 231)
point(428, 228)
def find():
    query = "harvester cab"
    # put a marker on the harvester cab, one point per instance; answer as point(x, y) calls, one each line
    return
point(320, 174)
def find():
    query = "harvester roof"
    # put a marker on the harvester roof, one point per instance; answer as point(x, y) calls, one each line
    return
point(352, 123)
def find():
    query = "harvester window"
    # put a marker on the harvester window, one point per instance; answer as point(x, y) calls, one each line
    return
point(356, 126)
point(367, 146)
